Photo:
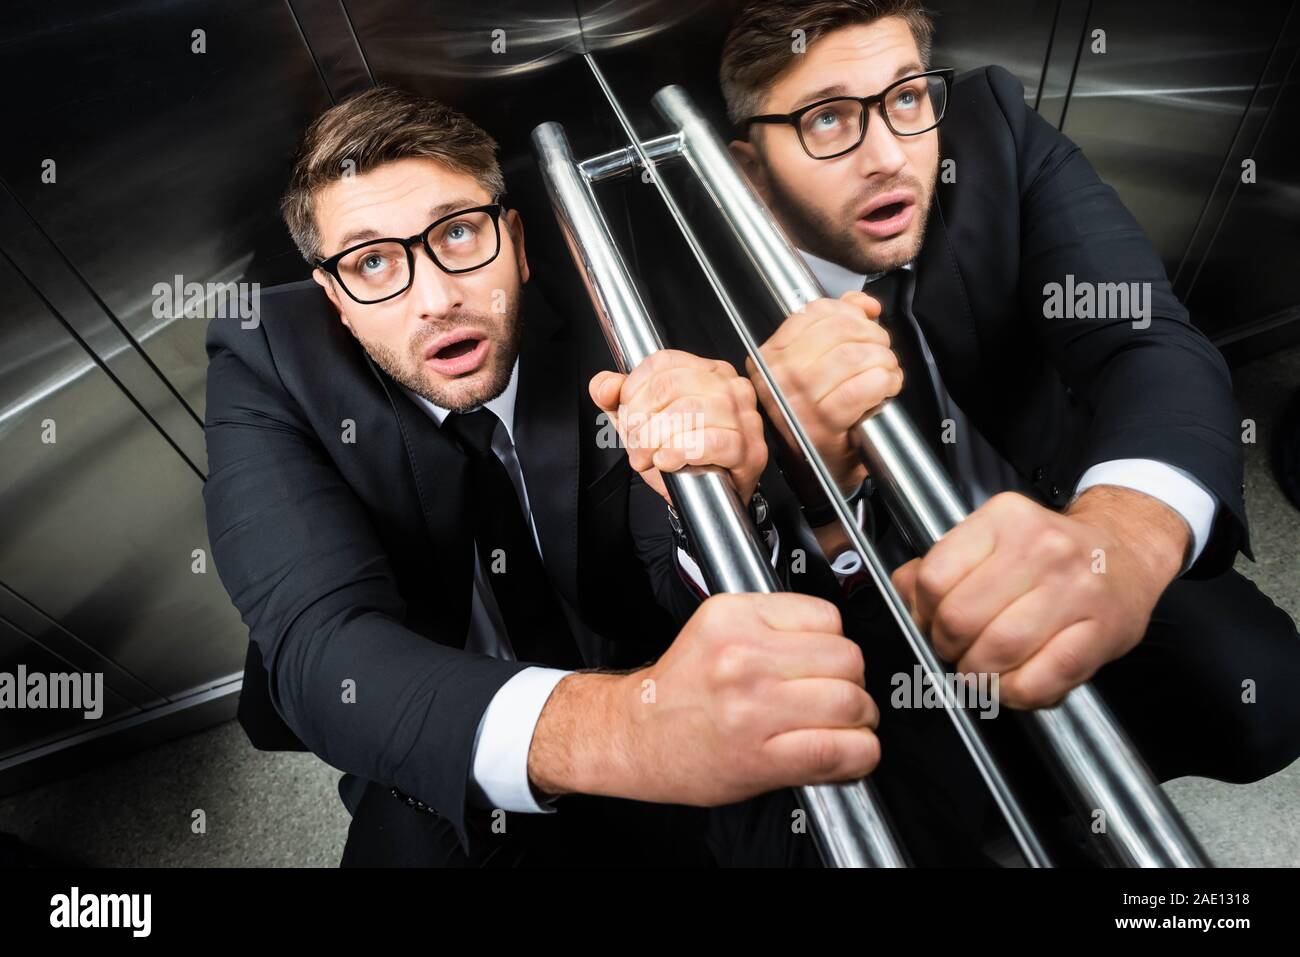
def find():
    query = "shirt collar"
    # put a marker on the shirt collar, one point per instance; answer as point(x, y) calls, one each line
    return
point(835, 279)
point(503, 406)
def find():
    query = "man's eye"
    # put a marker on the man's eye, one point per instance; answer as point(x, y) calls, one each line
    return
point(826, 118)
point(906, 99)
point(373, 263)
point(459, 232)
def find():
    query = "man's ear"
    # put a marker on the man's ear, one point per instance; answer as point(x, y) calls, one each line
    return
point(515, 223)
point(323, 279)
point(751, 164)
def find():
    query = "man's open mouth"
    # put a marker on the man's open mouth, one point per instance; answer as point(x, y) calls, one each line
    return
point(884, 212)
point(457, 353)
point(456, 349)
point(887, 215)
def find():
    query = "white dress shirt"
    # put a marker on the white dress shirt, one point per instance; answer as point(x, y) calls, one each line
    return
point(982, 472)
point(499, 765)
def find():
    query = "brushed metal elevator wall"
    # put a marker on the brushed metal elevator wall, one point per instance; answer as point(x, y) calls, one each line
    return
point(132, 158)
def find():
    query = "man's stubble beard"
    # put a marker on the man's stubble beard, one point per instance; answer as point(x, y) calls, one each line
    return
point(816, 233)
point(412, 374)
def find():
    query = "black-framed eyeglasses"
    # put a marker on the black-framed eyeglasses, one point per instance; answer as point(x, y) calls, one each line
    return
point(382, 269)
point(836, 125)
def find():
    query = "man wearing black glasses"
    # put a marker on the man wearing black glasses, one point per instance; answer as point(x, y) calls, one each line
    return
point(433, 539)
point(1098, 438)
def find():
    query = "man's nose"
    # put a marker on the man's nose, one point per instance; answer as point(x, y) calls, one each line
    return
point(435, 293)
point(880, 152)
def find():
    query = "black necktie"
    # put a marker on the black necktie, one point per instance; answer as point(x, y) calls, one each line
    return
point(917, 397)
point(529, 607)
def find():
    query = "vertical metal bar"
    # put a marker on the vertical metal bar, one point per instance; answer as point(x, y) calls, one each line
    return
point(1017, 821)
point(1142, 827)
point(848, 825)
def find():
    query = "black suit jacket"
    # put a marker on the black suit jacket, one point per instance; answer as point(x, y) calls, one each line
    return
point(351, 563)
point(1057, 395)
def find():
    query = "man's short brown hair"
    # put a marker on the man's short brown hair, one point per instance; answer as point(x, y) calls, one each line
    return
point(379, 126)
point(760, 46)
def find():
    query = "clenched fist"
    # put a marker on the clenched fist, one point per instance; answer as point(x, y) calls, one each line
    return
point(1045, 599)
point(676, 409)
point(833, 363)
point(757, 692)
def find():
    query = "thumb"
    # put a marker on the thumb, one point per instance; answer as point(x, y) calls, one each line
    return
point(856, 297)
point(605, 388)
point(904, 579)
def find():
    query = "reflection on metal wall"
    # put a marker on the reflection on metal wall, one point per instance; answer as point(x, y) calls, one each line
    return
point(169, 154)
point(1157, 111)
point(1239, 276)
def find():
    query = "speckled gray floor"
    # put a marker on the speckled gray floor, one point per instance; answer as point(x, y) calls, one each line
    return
point(1258, 824)
point(283, 809)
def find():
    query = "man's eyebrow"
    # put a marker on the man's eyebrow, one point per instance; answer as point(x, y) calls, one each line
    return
point(839, 89)
point(357, 236)
point(451, 205)
point(436, 212)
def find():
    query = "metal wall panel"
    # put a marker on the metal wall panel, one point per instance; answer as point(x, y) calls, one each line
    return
point(97, 527)
point(171, 162)
point(1157, 112)
point(24, 728)
point(168, 161)
point(1018, 36)
point(1242, 281)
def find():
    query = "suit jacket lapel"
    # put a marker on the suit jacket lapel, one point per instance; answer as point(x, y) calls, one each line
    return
point(441, 478)
point(547, 439)
point(943, 311)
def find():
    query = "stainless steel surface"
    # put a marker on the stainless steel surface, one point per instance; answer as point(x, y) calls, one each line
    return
point(617, 162)
point(98, 527)
point(24, 728)
point(1017, 35)
point(1239, 277)
point(171, 161)
point(1173, 96)
point(847, 824)
point(1141, 825)
point(924, 502)
point(1064, 49)
point(792, 285)
point(168, 161)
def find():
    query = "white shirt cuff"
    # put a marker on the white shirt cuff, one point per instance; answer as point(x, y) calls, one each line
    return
point(499, 767)
point(1176, 487)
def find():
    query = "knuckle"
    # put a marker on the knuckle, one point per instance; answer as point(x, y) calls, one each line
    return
point(823, 616)
point(714, 613)
point(846, 701)
point(734, 713)
point(732, 664)
point(822, 753)
point(1056, 543)
point(855, 662)
point(1001, 647)
point(929, 580)
point(1072, 666)
point(952, 618)
point(1008, 502)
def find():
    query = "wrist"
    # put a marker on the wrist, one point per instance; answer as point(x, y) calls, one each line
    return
point(1156, 538)
point(580, 745)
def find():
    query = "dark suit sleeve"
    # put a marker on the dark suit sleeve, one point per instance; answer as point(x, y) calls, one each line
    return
point(1162, 392)
point(302, 562)
point(656, 546)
